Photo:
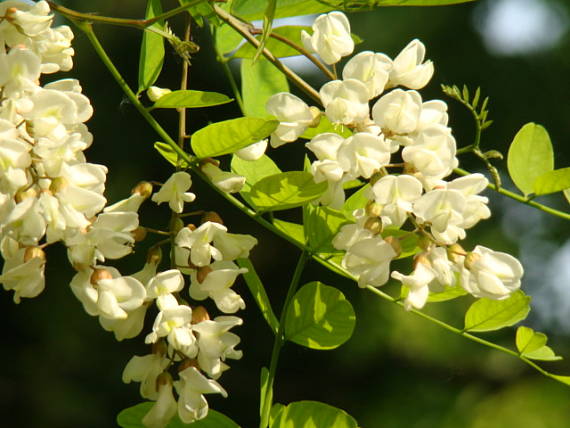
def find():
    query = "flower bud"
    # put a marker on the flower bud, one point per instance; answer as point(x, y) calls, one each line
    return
point(144, 189)
point(139, 234)
point(374, 225)
point(154, 255)
point(202, 273)
point(471, 259)
point(316, 113)
point(395, 244)
point(455, 253)
point(191, 227)
point(58, 184)
point(373, 209)
point(99, 274)
point(212, 216)
point(199, 314)
point(25, 194)
point(33, 253)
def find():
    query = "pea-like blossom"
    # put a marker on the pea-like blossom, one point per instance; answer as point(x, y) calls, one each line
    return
point(174, 191)
point(293, 114)
point(345, 101)
point(191, 387)
point(331, 37)
point(409, 68)
point(370, 68)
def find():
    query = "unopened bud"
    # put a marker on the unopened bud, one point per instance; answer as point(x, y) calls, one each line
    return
point(10, 12)
point(191, 226)
point(98, 275)
point(455, 253)
point(25, 194)
point(58, 184)
point(163, 379)
point(316, 115)
point(374, 225)
point(188, 363)
point(154, 256)
point(139, 234)
point(144, 189)
point(199, 314)
point(212, 216)
point(373, 209)
point(203, 273)
point(395, 244)
point(34, 253)
point(471, 259)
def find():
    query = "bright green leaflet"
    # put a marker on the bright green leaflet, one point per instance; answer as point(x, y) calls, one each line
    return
point(259, 81)
point(294, 230)
point(319, 317)
point(227, 39)
point(530, 156)
point(357, 200)
point(152, 49)
point(268, 17)
point(553, 181)
point(532, 344)
point(258, 292)
point(325, 125)
point(409, 242)
point(132, 418)
point(253, 171)
point(228, 136)
point(489, 315)
point(170, 155)
point(312, 414)
point(449, 293)
point(264, 384)
point(191, 99)
point(286, 190)
point(321, 225)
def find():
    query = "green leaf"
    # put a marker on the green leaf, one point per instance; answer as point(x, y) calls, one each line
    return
point(200, 11)
point(567, 195)
point(170, 155)
point(321, 225)
point(530, 156)
point(259, 81)
point(325, 125)
point(532, 344)
point(226, 39)
point(563, 379)
point(225, 137)
point(552, 181)
point(268, 17)
point(275, 412)
point(286, 190)
point(132, 418)
point(191, 99)
point(277, 48)
point(488, 315)
point(259, 294)
point(264, 412)
point(152, 49)
point(253, 171)
point(294, 230)
point(313, 414)
point(357, 200)
point(449, 293)
point(409, 242)
point(319, 317)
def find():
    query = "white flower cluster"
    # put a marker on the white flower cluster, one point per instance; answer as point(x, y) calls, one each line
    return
point(399, 124)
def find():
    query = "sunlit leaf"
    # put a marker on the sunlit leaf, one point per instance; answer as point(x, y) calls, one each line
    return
point(286, 190)
point(253, 171)
point(259, 81)
point(294, 230)
point(257, 290)
point(325, 125)
point(226, 39)
point(532, 344)
point(321, 225)
point(170, 155)
point(356, 201)
point(319, 317)
point(552, 181)
point(530, 156)
point(151, 56)
point(268, 17)
point(313, 414)
point(449, 293)
point(191, 99)
point(225, 137)
point(488, 315)
point(409, 242)
point(264, 411)
point(567, 195)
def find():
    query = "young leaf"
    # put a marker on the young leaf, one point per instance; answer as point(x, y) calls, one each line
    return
point(532, 344)
point(319, 317)
point(286, 190)
point(552, 181)
point(264, 382)
point(226, 39)
point(152, 49)
point(268, 17)
point(530, 156)
point(321, 225)
point(449, 293)
point(325, 125)
point(257, 290)
point(228, 136)
point(191, 99)
point(357, 200)
point(170, 155)
point(253, 171)
point(294, 230)
point(132, 418)
point(567, 195)
point(259, 81)
point(489, 315)
point(313, 414)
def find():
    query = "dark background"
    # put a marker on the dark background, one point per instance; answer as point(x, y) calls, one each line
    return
point(61, 369)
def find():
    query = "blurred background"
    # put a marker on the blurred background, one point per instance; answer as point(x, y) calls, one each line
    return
point(61, 369)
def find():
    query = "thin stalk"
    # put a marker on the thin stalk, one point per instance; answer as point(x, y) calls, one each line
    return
point(520, 198)
point(280, 339)
point(244, 30)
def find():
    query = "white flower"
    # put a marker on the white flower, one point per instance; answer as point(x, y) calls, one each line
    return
point(293, 114)
point(491, 274)
point(192, 385)
point(217, 285)
point(370, 68)
point(174, 191)
point(31, 21)
point(216, 343)
point(23, 270)
point(417, 283)
point(396, 194)
point(145, 370)
point(476, 208)
point(199, 243)
point(369, 259)
point(398, 111)
point(326, 146)
point(126, 328)
point(164, 409)
point(161, 287)
point(225, 181)
point(364, 154)
point(408, 68)
point(331, 37)
point(234, 246)
point(175, 323)
point(350, 234)
point(345, 101)
point(19, 71)
point(253, 151)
